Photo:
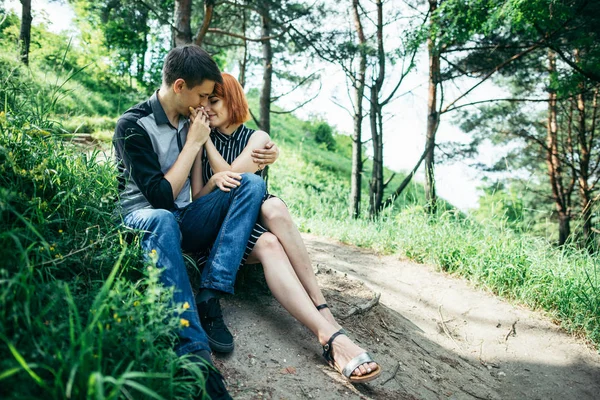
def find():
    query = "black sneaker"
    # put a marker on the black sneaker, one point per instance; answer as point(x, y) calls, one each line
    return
point(214, 386)
point(211, 318)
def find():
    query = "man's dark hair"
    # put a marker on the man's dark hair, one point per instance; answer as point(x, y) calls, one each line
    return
point(192, 64)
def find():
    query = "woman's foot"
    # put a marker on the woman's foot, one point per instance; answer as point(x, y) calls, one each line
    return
point(342, 352)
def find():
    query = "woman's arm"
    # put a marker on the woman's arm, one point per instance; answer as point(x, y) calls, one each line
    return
point(196, 176)
point(224, 180)
point(244, 162)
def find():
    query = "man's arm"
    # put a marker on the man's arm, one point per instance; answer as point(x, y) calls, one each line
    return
point(198, 134)
point(134, 150)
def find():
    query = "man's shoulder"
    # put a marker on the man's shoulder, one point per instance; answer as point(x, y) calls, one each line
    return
point(136, 112)
point(129, 119)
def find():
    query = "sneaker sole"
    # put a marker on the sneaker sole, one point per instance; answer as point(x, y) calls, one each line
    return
point(220, 347)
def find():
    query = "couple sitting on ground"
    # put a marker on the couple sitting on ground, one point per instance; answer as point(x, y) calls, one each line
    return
point(187, 167)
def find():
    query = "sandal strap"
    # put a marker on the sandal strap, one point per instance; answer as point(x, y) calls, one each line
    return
point(360, 359)
point(328, 347)
point(322, 306)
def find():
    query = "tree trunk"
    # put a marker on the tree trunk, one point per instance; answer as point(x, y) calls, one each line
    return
point(584, 169)
point(182, 30)
point(376, 186)
point(265, 95)
point(564, 228)
point(433, 117)
point(141, 57)
point(359, 91)
point(553, 162)
point(25, 36)
point(585, 146)
point(244, 61)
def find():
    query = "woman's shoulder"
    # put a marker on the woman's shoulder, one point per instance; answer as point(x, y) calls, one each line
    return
point(258, 133)
point(246, 133)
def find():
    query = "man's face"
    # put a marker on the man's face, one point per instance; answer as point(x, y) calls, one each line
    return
point(196, 96)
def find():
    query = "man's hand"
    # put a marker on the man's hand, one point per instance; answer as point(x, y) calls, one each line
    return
point(265, 156)
point(226, 180)
point(199, 130)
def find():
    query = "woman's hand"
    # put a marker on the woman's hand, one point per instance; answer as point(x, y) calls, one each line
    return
point(265, 156)
point(226, 180)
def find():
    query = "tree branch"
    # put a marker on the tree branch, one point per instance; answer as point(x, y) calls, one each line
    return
point(299, 106)
point(237, 35)
point(209, 6)
point(296, 87)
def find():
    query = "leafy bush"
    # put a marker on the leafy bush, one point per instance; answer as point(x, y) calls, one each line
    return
point(81, 315)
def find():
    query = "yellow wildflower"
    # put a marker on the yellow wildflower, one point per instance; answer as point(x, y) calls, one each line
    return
point(184, 322)
point(115, 315)
point(136, 303)
point(60, 231)
point(186, 305)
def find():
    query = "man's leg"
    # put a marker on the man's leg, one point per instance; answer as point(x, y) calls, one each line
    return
point(233, 215)
point(163, 236)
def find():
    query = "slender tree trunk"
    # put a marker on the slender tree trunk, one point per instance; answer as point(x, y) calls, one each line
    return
point(141, 67)
point(553, 161)
point(376, 185)
point(564, 228)
point(182, 30)
point(25, 36)
point(244, 61)
point(359, 91)
point(584, 169)
point(265, 95)
point(433, 117)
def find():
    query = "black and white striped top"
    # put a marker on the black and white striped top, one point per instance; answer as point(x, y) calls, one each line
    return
point(229, 146)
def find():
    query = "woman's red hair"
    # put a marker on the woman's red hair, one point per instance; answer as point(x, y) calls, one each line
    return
point(232, 94)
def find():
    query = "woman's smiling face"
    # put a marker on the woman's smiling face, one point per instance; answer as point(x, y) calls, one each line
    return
point(217, 113)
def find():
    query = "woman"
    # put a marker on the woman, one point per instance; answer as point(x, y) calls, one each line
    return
point(275, 242)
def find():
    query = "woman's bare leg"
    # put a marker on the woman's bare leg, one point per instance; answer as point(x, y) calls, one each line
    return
point(276, 217)
point(288, 290)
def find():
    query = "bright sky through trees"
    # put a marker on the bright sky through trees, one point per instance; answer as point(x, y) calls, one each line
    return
point(404, 127)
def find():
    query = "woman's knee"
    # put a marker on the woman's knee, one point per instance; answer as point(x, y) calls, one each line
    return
point(275, 211)
point(267, 245)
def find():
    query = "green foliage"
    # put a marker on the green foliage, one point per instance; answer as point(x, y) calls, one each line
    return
point(323, 134)
point(81, 316)
point(62, 78)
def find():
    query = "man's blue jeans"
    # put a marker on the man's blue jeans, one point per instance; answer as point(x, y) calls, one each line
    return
point(225, 218)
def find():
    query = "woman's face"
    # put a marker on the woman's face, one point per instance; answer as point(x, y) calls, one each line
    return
point(217, 113)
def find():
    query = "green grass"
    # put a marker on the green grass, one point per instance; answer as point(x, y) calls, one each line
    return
point(82, 316)
point(563, 282)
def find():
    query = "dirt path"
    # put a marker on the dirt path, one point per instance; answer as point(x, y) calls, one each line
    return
point(435, 336)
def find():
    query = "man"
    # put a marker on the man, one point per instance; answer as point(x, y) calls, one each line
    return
point(156, 146)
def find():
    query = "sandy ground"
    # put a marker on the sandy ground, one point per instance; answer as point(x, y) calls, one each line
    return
point(435, 336)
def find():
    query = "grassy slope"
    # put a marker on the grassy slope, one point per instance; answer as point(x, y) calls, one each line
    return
point(59, 245)
point(315, 184)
